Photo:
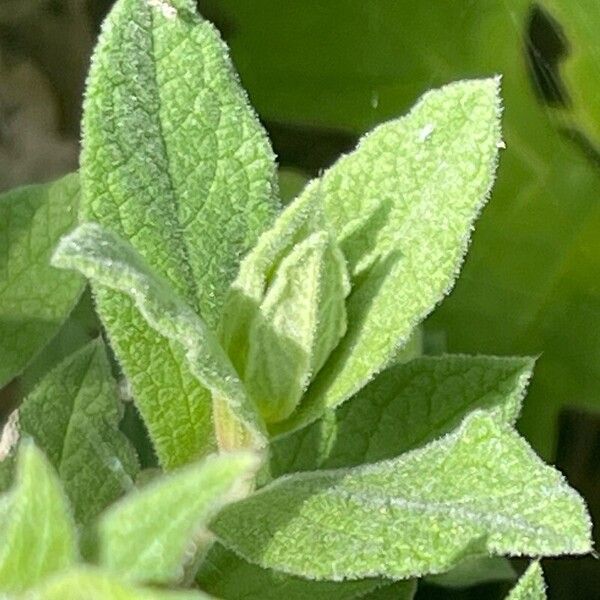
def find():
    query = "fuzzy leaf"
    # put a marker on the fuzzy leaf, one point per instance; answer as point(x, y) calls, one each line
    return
point(226, 575)
point(402, 206)
point(38, 535)
point(299, 322)
point(35, 299)
point(153, 533)
point(175, 162)
point(480, 490)
point(111, 262)
point(248, 290)
point(531, 586)
point(406, 406)
point(96, 585)
point(73, 415)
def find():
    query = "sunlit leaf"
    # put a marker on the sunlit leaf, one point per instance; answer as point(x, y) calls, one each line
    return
point(402, 206)
point(111, 262)
point(300, 321)
point(531, 586)
point(406, 406)
point(175, 162)
point(479, 490)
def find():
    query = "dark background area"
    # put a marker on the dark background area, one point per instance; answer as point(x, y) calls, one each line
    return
point(320, 74)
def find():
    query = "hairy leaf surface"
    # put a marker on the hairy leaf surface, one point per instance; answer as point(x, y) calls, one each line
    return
point(248, 290)
point(153, 533)
point(531, 277)
point(73, 415)
point(38, 534)
point(298, 324)
point(480, 490)
point(531, 586)
point(174, 161)
point(35, 299)
point(406, 406)
point(402, 206)
point(111, 262)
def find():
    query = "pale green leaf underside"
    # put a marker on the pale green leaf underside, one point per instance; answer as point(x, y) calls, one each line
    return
point(226, 575)
point(111, 262)
point(152, 534)
point(475, 571)
point(175, 162)
point(35, 299)
point(480, 489)
point(300, 320)
point(397, 590)
point(73, 415)
point(95, 585)
point(38, 534)
point(531, 586)
point(404, 407)
point(402, 206)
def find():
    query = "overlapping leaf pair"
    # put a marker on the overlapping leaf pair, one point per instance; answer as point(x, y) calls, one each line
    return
point(280, 335)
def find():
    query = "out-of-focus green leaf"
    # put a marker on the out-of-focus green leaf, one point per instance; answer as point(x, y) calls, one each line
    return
point(38, 534)
point(152, 534)
point(89, 584)
point(530, 284)
point(531, 586)
point(478, 490)
point(73, 415)
point(291, 183)
point(176, 163)
point(406, 406)
point(79, 329)
point(35, 298)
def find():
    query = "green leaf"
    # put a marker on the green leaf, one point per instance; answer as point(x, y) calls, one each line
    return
point(402, 219)
point(38, 535)
point(175, 162)
point(73, 415)
point(152, 534)
point(531, 586)
point(479, 490)
point(248, 290)
point(529, 285)
point(406, 406)
point(399, 590)
point(35, 299)
point(300, 321)
point(226, 575)
point(111, 262)
point(475, 571)
point(95, 585)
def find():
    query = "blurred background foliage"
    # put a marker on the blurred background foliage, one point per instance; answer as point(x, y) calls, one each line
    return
point(320, 73)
